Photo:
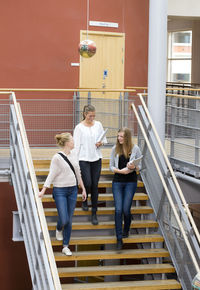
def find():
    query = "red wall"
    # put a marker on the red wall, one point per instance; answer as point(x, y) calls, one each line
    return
point(39, 40)
point(14, 271)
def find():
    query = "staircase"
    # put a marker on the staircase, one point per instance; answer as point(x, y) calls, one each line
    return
point(144, 262)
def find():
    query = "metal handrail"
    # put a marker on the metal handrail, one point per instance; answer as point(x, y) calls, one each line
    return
point(183, 96)
point(39, 206)
point(171, 171)
point(164, 183)
point(65, 90)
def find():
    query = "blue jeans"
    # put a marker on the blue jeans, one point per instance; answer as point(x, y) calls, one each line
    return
point(65, 199)
point(123, 193)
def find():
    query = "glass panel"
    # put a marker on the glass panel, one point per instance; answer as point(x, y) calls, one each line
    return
point(181, 70)
point(182, 44)
point(179, 56)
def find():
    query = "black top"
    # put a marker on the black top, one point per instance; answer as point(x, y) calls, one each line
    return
point(130, 177)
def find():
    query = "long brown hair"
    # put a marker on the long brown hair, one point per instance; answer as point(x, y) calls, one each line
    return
point(125, 148)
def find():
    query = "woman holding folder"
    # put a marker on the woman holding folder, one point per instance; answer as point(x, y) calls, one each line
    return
point(88, 140)
point(124, 185)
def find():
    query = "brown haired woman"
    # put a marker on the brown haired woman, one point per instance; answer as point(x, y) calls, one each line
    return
point(124, 182)
point(65, 176)
point(86, 135)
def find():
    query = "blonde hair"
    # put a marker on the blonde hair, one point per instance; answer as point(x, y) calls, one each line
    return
point(62, 138)
point(87, 109)
point(125, 148)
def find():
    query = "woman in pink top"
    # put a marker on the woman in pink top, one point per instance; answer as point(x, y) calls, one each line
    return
point(65, 175)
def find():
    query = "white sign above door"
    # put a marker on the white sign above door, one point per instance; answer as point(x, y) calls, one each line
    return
point(104, 24)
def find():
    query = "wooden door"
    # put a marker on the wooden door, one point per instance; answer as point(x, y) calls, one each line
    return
point(106, 68)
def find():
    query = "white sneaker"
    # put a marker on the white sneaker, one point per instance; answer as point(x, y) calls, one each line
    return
point(59, 235)
point(66, 251)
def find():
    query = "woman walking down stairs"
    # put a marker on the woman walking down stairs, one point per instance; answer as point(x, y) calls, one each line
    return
point(143, 262)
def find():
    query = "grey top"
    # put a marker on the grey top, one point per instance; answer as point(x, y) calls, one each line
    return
point(114, 158)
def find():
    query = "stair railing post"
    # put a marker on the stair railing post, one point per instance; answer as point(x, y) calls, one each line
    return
point(120, 111)
point(89, 98)
point(125, 109)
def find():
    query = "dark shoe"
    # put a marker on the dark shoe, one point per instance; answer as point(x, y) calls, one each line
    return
point(125, 235)
point(85, 206)
point(119, 245)
point(94, 219)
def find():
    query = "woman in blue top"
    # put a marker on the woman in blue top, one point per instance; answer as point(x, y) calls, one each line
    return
point(124, 182)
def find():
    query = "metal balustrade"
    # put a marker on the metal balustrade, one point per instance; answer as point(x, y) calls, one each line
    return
point(36, 238)
point(47, 112)
point(176, 223)
point(183, 132)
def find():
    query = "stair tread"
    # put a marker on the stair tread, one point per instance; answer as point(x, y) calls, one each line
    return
point(101, 184)
point(94, 240)
point(101, 197)
point(126, 285)
point(115, 270)
point(106, 225)
point(102, 210)
point(45, 171)
point(42, 162)
point(124, 254)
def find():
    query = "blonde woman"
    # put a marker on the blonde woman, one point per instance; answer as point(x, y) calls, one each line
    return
point(124, 182)
point(65, 175)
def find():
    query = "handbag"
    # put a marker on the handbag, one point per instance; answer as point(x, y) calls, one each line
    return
point(71, 166)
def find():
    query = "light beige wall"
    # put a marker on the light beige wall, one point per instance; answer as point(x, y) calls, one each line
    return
point(179, 24)
point(190, 8)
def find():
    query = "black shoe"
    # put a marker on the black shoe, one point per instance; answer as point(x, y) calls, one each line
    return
point(85, 206)
point(94, 219)
point(119, 245)
point(125, 235)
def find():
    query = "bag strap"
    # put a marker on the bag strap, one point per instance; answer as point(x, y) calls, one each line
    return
point(71, 166)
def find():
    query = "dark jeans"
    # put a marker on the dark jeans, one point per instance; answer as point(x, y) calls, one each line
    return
point(65, 198)
point(123, 193)
point(90, 172)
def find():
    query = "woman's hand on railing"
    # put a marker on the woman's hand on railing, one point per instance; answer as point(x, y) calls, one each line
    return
point(42, 192)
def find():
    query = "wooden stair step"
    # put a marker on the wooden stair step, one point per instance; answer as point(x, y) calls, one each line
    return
point(137, 269)
point(41, 163)
point(101, 240)
point(101, 211)
point(45, 171)
point(101, 184)
point(102, 197)
point(105, 255)
point(45, 163)
point(169, 284)
point(106, 225)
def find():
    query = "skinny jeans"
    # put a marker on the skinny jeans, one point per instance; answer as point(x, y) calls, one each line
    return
point(65, 199)
point(123, 193)
point(90, 172)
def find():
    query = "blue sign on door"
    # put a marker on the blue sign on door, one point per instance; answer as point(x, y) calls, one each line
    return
point(105, 73)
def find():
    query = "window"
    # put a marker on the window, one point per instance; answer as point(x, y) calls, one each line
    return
point(179, 56)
